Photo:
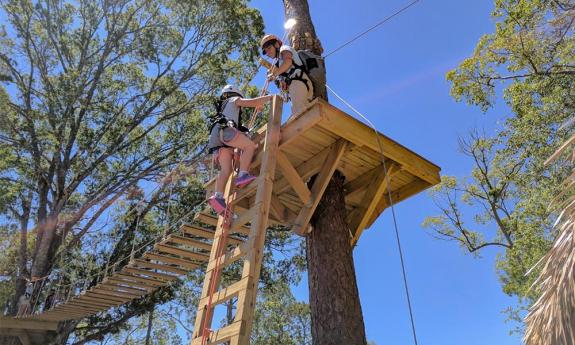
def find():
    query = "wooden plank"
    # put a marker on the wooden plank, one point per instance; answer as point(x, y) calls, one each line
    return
point(108, 297)
point(360, 134)
point(92, 295)
point(213, 220)
point(97, 304)
point(291, 175)
point(105, 300)
point(148, 281)
point(115, 293)
point(127, 289)
point(161, 276)
point(132, 284)
point(165, 267)
point(188, 242)
point(162, 248)
point(187, 264)
point(243, 219)
point(319, 186)
point(205, 233)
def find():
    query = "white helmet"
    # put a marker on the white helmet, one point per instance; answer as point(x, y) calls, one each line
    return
point(231, 89)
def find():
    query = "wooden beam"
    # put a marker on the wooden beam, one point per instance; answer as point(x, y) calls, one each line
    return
point(336, 152)
point(306, 170)
point(291, 175)
point(398, 195)
point(377, 189)
point(363, 180)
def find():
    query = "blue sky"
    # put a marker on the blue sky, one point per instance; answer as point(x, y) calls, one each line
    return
point(396, 76)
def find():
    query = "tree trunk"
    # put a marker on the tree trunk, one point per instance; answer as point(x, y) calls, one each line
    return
point(302, 35)
point(336, 316)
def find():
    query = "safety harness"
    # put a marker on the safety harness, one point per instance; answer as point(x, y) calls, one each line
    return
point(219, 119)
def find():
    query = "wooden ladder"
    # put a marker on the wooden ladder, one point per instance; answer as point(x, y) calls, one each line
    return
point(245, 289)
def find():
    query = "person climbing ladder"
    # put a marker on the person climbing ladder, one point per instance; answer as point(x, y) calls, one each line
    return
point(227, 134)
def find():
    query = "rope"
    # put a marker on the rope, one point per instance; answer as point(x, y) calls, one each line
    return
point(386, 19)
point(395, 225)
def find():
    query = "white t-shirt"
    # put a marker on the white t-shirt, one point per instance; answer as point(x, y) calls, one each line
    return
point(295, 59)
point(231, 110)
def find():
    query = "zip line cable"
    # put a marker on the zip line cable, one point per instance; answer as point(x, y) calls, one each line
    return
point(383, 21)
point(387, 177)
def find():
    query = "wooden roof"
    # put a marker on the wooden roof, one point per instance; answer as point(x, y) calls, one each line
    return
point(309, 139)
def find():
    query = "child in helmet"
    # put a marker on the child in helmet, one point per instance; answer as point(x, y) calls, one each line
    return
point(291, 70)
point(226, 134)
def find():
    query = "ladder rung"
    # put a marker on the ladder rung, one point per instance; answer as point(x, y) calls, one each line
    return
point(225, 293)
point(213, 220)
point(187, 264)
point(205, 233)
point(229, 257)
point(222, 335)
point(188, 242)
point(165, 267)
point(139, 271)
point(181, 252)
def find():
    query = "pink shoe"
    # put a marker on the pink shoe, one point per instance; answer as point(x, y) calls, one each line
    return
point(218, 204)
point(244, 180)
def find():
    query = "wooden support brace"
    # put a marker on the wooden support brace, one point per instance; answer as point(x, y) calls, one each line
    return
point(377, 189)
point(320, 184)
point(292, 176)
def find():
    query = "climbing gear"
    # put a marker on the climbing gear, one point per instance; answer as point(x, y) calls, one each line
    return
point(312, 66)
point(227, 127)
point(244, 180)
point(231, 89)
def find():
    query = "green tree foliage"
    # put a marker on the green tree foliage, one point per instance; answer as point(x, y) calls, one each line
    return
point(96, 98)
point(280, 319)
point(529, 63)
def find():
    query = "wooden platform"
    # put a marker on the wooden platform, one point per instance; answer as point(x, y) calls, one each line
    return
point(309, 140)
point(317, 142)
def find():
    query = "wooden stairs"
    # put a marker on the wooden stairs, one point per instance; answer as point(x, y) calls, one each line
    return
point(316, 142)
